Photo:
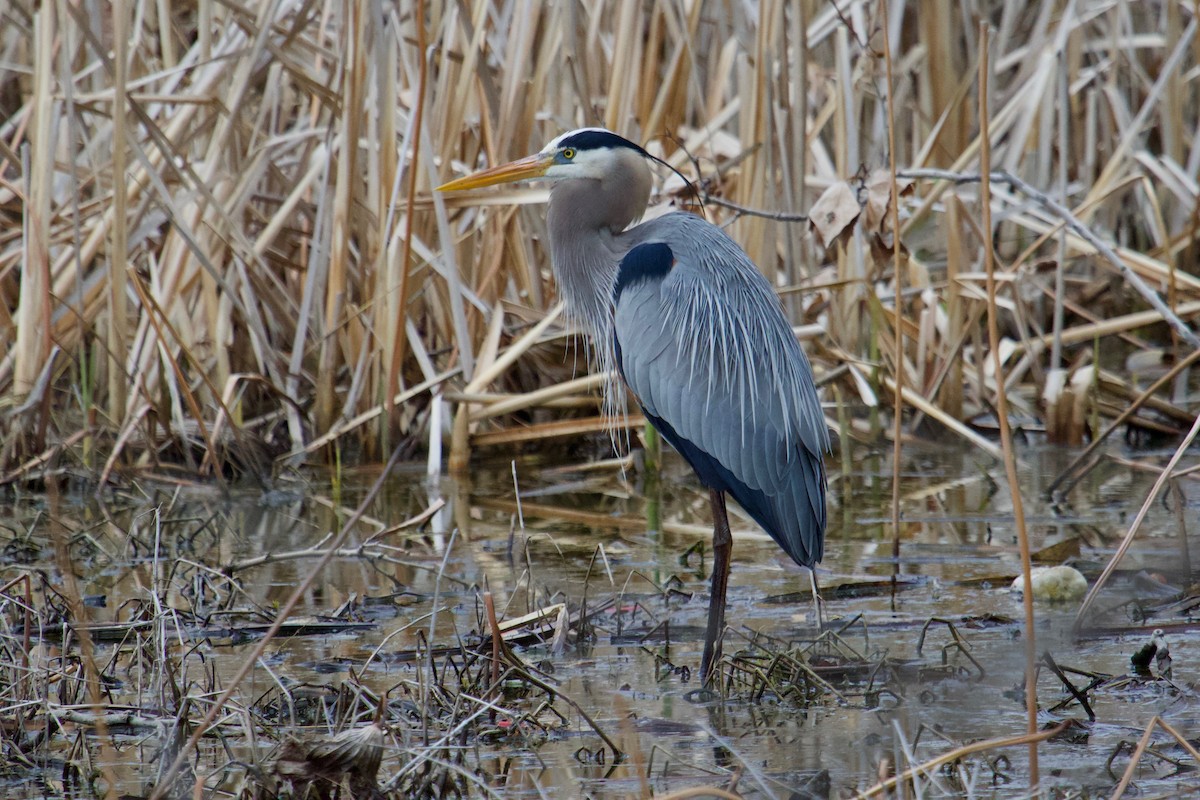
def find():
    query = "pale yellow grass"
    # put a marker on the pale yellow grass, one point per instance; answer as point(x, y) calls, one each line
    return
point(218, 239)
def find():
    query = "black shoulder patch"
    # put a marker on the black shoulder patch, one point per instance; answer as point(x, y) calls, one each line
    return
point(599, 140)
point(649, 261)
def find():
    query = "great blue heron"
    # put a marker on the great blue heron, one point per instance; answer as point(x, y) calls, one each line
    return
point(697, 334)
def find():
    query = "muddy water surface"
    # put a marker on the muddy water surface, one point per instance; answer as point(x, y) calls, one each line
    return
point(635, 551)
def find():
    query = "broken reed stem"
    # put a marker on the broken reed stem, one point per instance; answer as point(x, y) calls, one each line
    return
point(163, 788)
point(1179, 737)
point(898, 310)
point(1134, 758)
point(341, 428)
point(497, 640)
point(700, 791)
point(27, 611)
point(116, 345)
point(157, 321)
point(1073, 224)
point(918, 401)
point(400, 345)
point(957, 754)
point(1069, 472)
point(79, 627)
point(1163, 477)
point(1010, 461)
point(366, 550)
point(460, 441)
point(34, 309)
point(618, 753)
point(1062, 117)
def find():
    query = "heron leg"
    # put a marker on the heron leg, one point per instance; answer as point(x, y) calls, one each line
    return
point(722, 548)
point(818, 603)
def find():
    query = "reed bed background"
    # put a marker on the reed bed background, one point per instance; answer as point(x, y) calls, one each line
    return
point(219, 244)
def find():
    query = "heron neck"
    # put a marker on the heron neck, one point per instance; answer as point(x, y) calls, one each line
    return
point(585, 253)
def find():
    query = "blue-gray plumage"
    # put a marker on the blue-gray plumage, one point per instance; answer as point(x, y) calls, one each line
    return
point(699, 337)
point(702, 342)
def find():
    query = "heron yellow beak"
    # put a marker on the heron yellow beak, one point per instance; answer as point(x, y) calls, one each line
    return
point(523, 169)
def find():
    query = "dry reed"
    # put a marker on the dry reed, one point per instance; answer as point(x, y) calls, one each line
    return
point(219, 245)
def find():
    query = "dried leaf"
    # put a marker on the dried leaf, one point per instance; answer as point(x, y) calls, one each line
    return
point(881, 252)
point(1058, 552)
point(879, 198)
point(832, 217)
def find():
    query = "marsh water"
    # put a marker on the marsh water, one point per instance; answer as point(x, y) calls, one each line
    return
point(535, 534)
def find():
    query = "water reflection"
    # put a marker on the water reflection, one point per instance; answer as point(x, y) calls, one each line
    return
point(587, 537)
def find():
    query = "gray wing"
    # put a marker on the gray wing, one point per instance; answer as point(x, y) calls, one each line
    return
point(705, 348)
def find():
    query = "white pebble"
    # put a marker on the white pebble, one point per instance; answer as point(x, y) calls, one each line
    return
point(1055, 584)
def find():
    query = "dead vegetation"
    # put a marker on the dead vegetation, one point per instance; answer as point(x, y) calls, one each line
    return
point(220, 248)
point(433, 692)
point(160, 659)
point(220, 255)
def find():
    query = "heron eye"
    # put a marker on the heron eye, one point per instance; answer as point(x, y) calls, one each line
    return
point(568, 153)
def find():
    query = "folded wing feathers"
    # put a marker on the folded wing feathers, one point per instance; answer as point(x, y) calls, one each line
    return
point(708, 350)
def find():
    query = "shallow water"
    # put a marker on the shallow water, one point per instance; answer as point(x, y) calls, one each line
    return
point(577, 532)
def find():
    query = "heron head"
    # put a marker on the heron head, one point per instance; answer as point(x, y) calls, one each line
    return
point(594, 153)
